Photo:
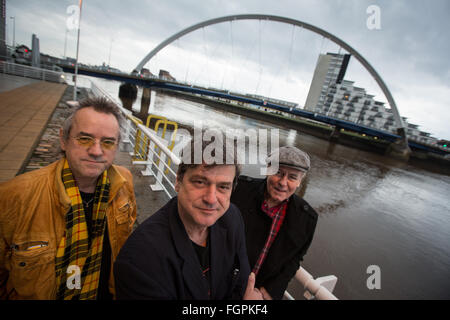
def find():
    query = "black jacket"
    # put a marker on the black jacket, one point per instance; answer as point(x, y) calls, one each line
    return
point(158, 260)
point(291, 243)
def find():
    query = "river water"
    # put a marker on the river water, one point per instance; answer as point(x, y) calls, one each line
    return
point(373, 211)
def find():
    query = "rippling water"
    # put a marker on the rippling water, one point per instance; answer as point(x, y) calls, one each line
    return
point(372, 211)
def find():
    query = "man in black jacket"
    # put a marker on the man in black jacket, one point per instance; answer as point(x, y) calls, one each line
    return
point(279, 225)
point(194, 247)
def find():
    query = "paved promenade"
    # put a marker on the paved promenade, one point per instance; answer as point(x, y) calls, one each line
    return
point(24, 113)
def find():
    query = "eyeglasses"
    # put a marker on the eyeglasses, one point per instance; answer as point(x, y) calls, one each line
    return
point(87, 142)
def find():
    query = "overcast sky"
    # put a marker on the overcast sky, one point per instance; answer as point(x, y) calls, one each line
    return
point(409, 51)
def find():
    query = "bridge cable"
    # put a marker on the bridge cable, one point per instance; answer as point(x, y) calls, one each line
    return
point(228, 64)
point(212, 54)
point(188, 66)
point(284, 64)
point(259, 57)
point(205, 65)
point(206, 54)
point(291, 48)
point(321, 45)
point(242, 68)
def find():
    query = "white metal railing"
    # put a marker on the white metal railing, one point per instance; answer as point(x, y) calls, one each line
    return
point(162, 168)
point(31, 72)
point(320, 288)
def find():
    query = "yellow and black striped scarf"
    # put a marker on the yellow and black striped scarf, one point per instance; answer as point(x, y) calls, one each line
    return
point(76, 252)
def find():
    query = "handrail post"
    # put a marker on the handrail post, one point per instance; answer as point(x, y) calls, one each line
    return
point(147, 172)
point(126, 138)
point(157, 186)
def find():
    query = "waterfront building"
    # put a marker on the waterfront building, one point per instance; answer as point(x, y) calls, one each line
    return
point(165, 75)
point(347, 102)
point(146, 73)
point(330, 70)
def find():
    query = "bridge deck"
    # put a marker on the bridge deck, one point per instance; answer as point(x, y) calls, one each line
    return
point(24, 113)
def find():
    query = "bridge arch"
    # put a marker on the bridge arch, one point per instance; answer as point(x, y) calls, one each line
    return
point(341, 43)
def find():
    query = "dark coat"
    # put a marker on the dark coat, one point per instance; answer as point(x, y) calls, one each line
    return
point(291, 243)
point(158, 260)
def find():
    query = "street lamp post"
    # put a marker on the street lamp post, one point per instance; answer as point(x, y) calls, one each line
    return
point(76, 61)
point(109, 56)
point(14, 31)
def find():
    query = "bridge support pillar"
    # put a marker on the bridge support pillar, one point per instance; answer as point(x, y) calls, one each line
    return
point(399, 149)
point(128, 95)
point(145, 104)
point(335, 134)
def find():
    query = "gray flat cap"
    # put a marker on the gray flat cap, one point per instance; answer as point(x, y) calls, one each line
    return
point(290, 157)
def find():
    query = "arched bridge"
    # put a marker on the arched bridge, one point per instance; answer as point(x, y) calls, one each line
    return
point(338, 41)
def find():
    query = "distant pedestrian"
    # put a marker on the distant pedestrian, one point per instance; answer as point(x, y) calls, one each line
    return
point(193, 248)
point(62, 226)
point(279, 225)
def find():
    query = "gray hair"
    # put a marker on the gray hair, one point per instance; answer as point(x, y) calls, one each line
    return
point(100, 104)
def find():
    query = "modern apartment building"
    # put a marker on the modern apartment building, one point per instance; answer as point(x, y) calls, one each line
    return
point(330, 70)
point(335, 97)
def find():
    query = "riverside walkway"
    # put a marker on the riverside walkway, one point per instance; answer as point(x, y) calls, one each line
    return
point(24, 113)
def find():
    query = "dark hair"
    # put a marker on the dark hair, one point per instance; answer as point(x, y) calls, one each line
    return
point(188, 159)
point(100, 104)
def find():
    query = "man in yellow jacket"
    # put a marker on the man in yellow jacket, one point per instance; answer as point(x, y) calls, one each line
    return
point(62, 226)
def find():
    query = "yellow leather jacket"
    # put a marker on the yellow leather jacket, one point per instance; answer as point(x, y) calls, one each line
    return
point(32, 222)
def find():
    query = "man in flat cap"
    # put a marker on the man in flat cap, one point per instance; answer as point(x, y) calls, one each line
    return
point(279, 225)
